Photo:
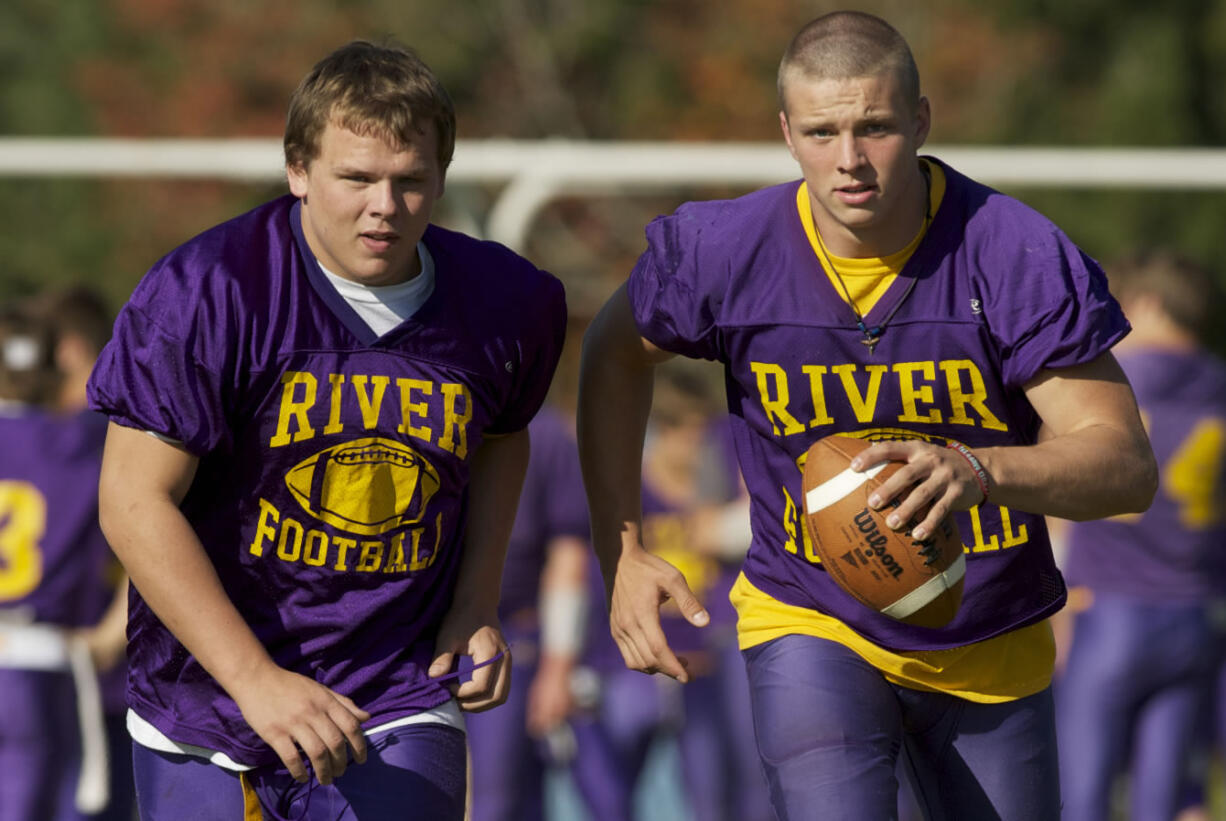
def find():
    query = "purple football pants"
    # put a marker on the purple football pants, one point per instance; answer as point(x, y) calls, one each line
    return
point(612, 745)
point(830, 729)
point(719, 765)
point(1138, 679)
point(719, 761)
point(39, 745)
point(410, 772)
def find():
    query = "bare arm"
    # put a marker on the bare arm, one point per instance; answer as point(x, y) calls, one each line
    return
point(1092, 460)
point(615, 387)
point(143, 481)
point(471, 625)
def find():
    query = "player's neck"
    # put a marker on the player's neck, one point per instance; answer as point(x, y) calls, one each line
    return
point(887, 235)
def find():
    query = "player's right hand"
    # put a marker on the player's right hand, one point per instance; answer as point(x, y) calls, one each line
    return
point(293, 713)
point(644, 582)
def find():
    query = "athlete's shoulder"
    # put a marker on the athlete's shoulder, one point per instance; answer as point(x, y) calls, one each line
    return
point(239, 253)
point(994, 218)
point(467, 256)
point(30, 435)
point(999, 224)
point(495, 283)
point(708, 244)
point(1161, 375)
point(20, 423)
point(727, 223)
point(1012, 249)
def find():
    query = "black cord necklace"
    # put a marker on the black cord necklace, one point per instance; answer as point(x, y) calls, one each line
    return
point(871, 336)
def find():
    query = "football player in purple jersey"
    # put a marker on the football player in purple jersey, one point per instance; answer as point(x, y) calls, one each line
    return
point(81, 319)
point(53, 758)
point(317, 439)
point(1148, 643)
point(544, 599)
point(889, 297)
point(542, 607)
point(690, 491)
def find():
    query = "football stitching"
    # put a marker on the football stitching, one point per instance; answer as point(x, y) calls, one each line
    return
point(371, 454)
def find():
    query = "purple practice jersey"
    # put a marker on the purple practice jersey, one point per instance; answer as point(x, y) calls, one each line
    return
point(1176, 551)
point(993, 294)
point(551, 504)
point(53, 556)
point(330, 494)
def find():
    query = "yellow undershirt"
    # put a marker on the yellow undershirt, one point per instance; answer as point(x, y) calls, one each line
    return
point(1008, 667)
point(867, 278)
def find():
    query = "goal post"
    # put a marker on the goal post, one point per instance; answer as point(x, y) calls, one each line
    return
point(534, 172)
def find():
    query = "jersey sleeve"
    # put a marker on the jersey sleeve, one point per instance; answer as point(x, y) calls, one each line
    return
point(539, 348)
point(162, 370)
point(1059, 312)
point(673, 288)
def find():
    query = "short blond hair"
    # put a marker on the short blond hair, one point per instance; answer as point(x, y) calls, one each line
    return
point(372, 90)
point(845, 44)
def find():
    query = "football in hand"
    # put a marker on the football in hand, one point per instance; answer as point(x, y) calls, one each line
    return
point(919, 583)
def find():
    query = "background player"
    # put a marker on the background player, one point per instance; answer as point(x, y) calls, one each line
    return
point(695, 517)
point(53, 757)
point(881, 294)
point(337, 393)
point(691, 490)
point(542, 607)
point(82, 320)
point(1148, 641)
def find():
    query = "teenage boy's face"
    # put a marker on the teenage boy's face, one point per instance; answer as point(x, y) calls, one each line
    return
point(856, 140)
point(366, 203)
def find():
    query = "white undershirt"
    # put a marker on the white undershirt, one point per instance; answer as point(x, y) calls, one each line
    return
point(383, 307)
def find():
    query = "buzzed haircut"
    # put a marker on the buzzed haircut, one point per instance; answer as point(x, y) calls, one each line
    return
point(845, 44)
point(384, 91)
point(1188, 291)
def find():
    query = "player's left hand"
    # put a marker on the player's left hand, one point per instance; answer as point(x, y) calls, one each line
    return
point(933, 475)
point(464, 634)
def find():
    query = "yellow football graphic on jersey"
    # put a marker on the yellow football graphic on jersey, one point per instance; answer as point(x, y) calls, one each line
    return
point(367, 486)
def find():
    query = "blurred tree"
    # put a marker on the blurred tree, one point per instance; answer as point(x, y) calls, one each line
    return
point(1110, 72)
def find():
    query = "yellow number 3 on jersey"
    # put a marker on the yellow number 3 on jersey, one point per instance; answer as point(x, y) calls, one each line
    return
point(23, 520)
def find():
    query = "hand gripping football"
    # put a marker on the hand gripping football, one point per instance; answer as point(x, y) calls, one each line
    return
point(918, 583)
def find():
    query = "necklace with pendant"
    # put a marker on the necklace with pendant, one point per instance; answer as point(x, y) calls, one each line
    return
point(870, 336)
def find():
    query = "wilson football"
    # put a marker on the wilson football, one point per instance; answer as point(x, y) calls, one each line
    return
point(915, 582)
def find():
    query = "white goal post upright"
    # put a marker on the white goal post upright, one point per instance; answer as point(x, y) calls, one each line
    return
point(534, 172)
